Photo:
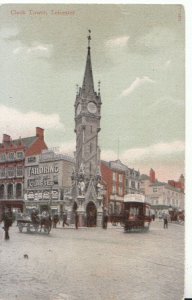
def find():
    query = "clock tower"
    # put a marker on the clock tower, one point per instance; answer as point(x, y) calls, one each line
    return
point(87, 189)
point(87, 122)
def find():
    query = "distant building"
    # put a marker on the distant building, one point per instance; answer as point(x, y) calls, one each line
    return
point(162, 195)
point(120, 180)
point(47, 181)
point(180, 184)
point(12, 160)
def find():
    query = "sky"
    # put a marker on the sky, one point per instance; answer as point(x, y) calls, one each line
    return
point(138, 54)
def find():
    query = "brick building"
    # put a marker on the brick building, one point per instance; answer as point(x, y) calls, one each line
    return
point(12, 160)
point(119, 180)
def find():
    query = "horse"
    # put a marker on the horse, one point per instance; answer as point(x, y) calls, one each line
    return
point(55, 220)
point(46, 223)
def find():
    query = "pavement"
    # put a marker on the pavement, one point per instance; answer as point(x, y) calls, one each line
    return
point(92, 263)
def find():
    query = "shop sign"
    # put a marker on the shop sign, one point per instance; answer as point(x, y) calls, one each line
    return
point(49, 169)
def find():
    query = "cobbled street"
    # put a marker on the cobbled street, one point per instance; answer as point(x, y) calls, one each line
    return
point(92, 263)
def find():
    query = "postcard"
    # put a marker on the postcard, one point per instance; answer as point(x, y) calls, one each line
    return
point(92, 151)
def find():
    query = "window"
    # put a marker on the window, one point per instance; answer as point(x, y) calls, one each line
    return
point(11, 172)
point(114, 189)
point(31, 159)
point(120, 178)
point(10, 191)
point(154, 190)
point(20, 155)
point(18, 190)
point(133, 184)
point(3, 157)
point(19, 171)
point(2, 173)
point(11, 156)
point(2, 191)
point(120, 190)
point(114, 176)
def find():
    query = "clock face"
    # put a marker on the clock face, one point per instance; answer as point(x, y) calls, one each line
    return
point(92, 108)
point(78, 109)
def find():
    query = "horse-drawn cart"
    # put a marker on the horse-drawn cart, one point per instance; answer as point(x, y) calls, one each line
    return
point(35, 223)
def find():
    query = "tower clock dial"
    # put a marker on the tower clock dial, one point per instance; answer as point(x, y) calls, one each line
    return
point(92, 108)
point(78, 109)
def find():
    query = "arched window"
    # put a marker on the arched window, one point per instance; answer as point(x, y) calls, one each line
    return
point(18, 190)
point(2, 191)
point(10, 191)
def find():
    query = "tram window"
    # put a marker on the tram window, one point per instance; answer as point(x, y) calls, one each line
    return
point(134, 211)
point(147, 211)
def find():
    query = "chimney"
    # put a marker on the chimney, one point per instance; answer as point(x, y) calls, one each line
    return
point(152, 176)
point(40, 132)
point(6, 138)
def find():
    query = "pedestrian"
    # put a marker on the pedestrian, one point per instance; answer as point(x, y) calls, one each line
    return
point(105, 219)
point(76, 220)
point(165, 221)
point(65, 219)
point(8, 220)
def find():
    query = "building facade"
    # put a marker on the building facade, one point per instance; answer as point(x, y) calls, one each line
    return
point(162, 195)
point(47, 181)
point(12, 161)
point(120, 180)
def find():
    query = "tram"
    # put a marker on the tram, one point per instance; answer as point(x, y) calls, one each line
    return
point(136, 213)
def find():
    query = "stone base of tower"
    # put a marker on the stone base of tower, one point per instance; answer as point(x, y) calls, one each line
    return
point(90, 212)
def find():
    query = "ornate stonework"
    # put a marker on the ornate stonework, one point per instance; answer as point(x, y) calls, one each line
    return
point(86, 177)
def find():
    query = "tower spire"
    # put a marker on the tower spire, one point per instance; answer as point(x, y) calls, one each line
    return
point(88, 85)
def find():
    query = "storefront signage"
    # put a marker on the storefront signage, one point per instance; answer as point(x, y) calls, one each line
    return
point(42, 170)
point(40, 182)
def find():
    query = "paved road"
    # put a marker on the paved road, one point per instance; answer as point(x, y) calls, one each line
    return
point(92, 263)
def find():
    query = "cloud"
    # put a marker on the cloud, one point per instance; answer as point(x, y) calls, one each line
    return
point(150, 152)
point(17, 123)
point(38, 50)
point(67, 148)
point(8, 33)
point(154, 156)
point(117, 42)
point(135, 84)
point(167, 62)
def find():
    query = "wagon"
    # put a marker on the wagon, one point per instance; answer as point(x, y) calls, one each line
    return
point(38, 225)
